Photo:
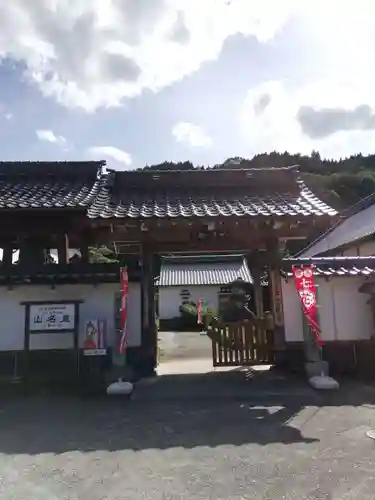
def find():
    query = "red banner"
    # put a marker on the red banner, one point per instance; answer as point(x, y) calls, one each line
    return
point(124, 310)
point(306, 289)
point(199, 311)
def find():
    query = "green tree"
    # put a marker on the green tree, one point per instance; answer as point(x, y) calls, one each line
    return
point(102, 254)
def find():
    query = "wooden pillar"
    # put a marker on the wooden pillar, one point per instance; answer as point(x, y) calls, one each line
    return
point(149, 332)
point(84, 247)
point(32, 252)
point(85, 254)
point(63, 249)
point(258, 292)
point(26, 349)
point(7, 256)
point(274, 259)
point(278, 314)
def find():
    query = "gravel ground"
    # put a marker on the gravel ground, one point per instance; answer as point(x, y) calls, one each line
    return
point(215, 436)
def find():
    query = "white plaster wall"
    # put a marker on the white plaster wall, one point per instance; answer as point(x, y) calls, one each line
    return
point(292, 312)
point(367, 249)
point(98, 302)
point(343, 312)
point(360, 249)
point(170, 298)
point(352, 251)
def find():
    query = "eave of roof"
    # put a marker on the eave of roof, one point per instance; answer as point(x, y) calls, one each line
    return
point(333, 266)
point(356, 223)
point(268, 192)
point(49, 185)
point(207, 193)
point(207, 271)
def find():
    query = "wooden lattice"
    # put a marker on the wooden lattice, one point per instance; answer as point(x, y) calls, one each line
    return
point(242, 344)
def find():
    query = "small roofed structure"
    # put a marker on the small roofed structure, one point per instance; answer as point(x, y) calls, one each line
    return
point(187, 270)
point(188, 278)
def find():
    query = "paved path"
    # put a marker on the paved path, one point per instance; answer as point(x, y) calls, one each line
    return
point(222, 436)
point(184, 345)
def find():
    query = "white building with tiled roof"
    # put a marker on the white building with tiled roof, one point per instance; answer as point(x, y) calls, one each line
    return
point(189, 278)
point(344, 269)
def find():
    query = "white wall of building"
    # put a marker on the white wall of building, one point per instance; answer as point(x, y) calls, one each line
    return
point(170, 298)
point(367, 249)
point(343, 312)
point(352, 251)
point(360, 249)
point(98, 302)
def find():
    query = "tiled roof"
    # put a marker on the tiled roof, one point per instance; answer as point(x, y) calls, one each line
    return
point(203, 270)
point(357, 223)
point(334, 266)
point(35, 185)
point(159, 194)
point(208, 193)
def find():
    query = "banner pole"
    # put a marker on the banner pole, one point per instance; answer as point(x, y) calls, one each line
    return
point(122, 387)
point(122, 347)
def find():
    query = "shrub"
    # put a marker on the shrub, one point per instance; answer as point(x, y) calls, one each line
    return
point(189, 316)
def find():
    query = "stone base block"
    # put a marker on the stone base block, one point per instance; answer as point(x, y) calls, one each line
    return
point(316, 369)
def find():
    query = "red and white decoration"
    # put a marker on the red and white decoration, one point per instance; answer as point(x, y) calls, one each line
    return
point(124, 310)
point(199, 311)
point(306, 289)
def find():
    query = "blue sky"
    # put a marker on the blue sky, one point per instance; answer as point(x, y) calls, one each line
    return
point(138, 82)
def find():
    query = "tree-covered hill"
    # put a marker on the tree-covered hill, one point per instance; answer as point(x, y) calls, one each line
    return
point(340, 182)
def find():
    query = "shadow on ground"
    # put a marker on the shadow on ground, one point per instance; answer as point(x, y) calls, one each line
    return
point(231, 408)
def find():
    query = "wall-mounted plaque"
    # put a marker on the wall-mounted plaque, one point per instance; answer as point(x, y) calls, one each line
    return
point(52, 318)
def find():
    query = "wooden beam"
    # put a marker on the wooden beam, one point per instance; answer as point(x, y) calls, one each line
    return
point(241, 230)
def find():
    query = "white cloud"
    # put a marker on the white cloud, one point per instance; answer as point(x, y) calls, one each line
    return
point(334, 106)
point(4, 112)
point(49, 136)
point(92, 53)
point(191, 134)
point(326, 102)
point(104, 152)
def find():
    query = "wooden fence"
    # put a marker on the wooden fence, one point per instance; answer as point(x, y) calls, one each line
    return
point(242, 344)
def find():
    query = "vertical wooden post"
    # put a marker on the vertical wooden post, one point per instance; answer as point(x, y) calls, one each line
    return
point(258, 293)
point(149, 333)
point(32, 252)
point(26, 348)
point(84, 249)
point(63, 249)
point(77, 353)
point(7, 256)
point(278, 314)
point(85, 253)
